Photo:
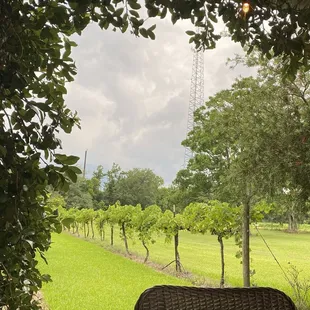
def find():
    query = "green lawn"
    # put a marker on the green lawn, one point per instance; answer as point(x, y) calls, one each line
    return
point(87, 277)
point(200, 254)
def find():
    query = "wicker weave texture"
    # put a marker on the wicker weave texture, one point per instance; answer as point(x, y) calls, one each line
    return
point(168, 297)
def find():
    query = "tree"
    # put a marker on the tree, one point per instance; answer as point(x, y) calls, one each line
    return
point(144, 222)
point(35, 66)
point(55, 201)
point(110, 194)
point(218, 218)
point(170, 224)
point(86, 218)
point(171, 196)
point(78, 220)
point(195, 215)
point(251, 141)
point(101, 219)
point(224, 221)
point(94, 187)
point(289, 207)
point(123, 216)
point(78, 195)
point(139, 186)
point(112, 220)
point(99, 175)
point(194, 187)
point(288, 133)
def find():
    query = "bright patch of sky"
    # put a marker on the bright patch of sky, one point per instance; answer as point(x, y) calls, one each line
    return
point(132, 96)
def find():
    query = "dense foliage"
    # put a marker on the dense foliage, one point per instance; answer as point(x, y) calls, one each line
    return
point(252, 143)
point(35, 65)
point(213, 217)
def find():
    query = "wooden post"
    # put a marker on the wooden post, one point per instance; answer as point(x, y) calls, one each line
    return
point(85, 158)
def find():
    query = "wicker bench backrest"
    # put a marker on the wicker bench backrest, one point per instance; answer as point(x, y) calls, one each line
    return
point(168, 297)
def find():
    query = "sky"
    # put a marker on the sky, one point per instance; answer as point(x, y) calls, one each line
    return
point(132, 95)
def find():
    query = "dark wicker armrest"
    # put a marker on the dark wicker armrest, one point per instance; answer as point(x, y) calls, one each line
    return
point(168, 297)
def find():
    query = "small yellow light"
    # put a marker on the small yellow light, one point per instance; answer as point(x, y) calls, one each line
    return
point(246, 7)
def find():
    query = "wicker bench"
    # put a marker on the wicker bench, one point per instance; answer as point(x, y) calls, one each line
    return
point(168, 297)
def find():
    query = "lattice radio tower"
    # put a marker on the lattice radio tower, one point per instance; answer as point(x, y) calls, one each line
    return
point(196, 96)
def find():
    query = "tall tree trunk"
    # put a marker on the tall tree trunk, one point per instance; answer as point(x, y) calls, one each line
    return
point(295, 225)
point(292, 221)
point(246, 243)
point(176, 253)
point(220, 240)
point(125, 238)
point(84, 224)
point(112, 235)
point(87, 229)
point(147, 252)
point(92, 229)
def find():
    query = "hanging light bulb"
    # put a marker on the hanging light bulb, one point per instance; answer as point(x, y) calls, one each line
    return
point(245, 7)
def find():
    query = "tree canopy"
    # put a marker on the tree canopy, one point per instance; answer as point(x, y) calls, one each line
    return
point(139, 186)
point(35, 65)
point(78, 195)
point(251, 141)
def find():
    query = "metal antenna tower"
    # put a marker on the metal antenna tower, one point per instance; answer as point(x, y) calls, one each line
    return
point(196, 96)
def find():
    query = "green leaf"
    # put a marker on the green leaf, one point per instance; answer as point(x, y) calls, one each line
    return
point(211, 16)
point(58, 228)
point(49, 70)
point(134, 13)
point(67, 222)
point(152, 28)
point(42, 106)
point(46, 154)
point(76, 169)
point(46, 33)
point(71, 174)
point(72, 43)
point(143, 32)
point(61, 89)
point(153, 12)
point(125, 26)
point(134, 5)
point(29, 115)
point(67, 160)
point(174, 18)
point(163, 13)
point(46, 277)
point(119, 12)
point(151, 34)
point(190, 33)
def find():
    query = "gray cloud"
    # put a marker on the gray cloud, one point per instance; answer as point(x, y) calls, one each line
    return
point(132, 96)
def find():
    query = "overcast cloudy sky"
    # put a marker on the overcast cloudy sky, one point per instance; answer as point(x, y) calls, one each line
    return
point(132, 96)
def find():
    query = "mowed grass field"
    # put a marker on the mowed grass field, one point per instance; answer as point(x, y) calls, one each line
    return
point(200, 255)
point(87, 277)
